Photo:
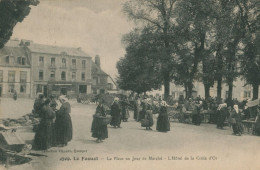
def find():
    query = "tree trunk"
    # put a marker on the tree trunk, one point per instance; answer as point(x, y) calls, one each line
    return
point(230, 90)
point(255, 91)
point(206, 88)
point(166, 86)
point(189, 90)
point(219, 88)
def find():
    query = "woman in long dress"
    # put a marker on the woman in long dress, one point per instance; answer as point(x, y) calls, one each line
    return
point(116, 114)
point(98, 129)
point(236, 121)
point(163, 123)
point(44, 134)
point(63, 123)
point(125, 111)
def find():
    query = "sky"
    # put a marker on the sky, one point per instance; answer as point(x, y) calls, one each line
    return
point(94, 25)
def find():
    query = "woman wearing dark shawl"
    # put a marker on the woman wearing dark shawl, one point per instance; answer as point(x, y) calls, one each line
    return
point(63, 124)
point(98, 129)
point(222, 113)
point(163, 123)
point(125, 111)
point(236, 121)
point(115, 113)
point(44, 134)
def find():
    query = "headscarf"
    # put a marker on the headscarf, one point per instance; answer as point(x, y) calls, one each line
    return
point(222, 106)
point(236, 108)
point(163, 103)
point(63, 98)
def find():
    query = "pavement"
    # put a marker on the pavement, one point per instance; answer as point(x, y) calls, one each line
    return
point(132, 147)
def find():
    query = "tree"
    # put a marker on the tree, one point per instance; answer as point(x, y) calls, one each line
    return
point(250, 64)
point(195, 18)
point(11, 12)
point(139, 70)
point(159, 15)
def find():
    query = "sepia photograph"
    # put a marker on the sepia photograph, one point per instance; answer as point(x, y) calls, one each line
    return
point(129, 84)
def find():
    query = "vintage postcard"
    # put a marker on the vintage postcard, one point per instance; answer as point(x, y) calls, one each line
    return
point(129, 84)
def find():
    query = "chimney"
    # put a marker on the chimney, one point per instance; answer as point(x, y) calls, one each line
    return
point(97, 60)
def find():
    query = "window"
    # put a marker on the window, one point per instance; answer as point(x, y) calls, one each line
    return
point(73, 76)
point(11, 76)
point(39, 88)
point(52, 75)
point(52, 61)
point(74, 63)
point(11, 88)
point(103, 81)
point(63, 75)
point(41, 61)
point(1, 75)
point(7, 59)
point(23, 76)
point(21, 60)
point(63, 64)
point(23, 88)
point(83, 76)
point(83, 63)
point(40, 75)
point(247, 94)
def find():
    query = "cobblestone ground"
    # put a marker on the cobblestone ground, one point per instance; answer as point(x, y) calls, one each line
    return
point(184, 147)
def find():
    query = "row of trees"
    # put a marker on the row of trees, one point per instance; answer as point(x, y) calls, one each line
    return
point(187, 40)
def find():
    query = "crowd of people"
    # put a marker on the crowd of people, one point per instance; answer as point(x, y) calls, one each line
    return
point(55, 127)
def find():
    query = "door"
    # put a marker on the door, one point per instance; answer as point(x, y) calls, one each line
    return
point(0, 91)
point(45, 93)
point(63, 91)
point(82, 89)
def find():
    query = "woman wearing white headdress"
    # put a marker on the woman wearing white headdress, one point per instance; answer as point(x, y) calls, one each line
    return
point(63, 124)
point(163, 123)
point(222, 113)
point(236, 121)
point(116, 113)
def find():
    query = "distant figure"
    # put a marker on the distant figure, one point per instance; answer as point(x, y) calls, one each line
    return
point(125, 111)
point(256, 129)
point(63, 124)
point(44, 135)
point(236, 121)
point(98, 129)
point(222, 113)
point(15, 95)
point(163, 123)
point(196, 118)
point(144, 109)
point(148, 120)
point(38, 104)
point(116, 113)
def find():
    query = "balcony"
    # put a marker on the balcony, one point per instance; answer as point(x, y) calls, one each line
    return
point(63, 67)
point(52, 67)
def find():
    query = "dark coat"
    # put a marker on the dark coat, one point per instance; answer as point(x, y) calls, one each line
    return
point(63, 124)
point(125, 111)
point(116, 114)
point(44, 136)
point(98, 130)
point(163, 123)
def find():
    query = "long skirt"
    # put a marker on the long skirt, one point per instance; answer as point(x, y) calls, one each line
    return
point(125, 114)
point(237, 128)
point(116, 120)
point(43, 139)
point(98, 130)
point(163, 123)
point(196, 119)
point(63, 128)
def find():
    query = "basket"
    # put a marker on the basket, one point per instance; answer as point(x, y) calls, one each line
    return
point(145, 123)
point(103, 120)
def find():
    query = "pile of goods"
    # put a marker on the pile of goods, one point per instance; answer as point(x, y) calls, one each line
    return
point(26, 120)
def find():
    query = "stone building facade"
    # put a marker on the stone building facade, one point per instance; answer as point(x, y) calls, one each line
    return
point(15, 71)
